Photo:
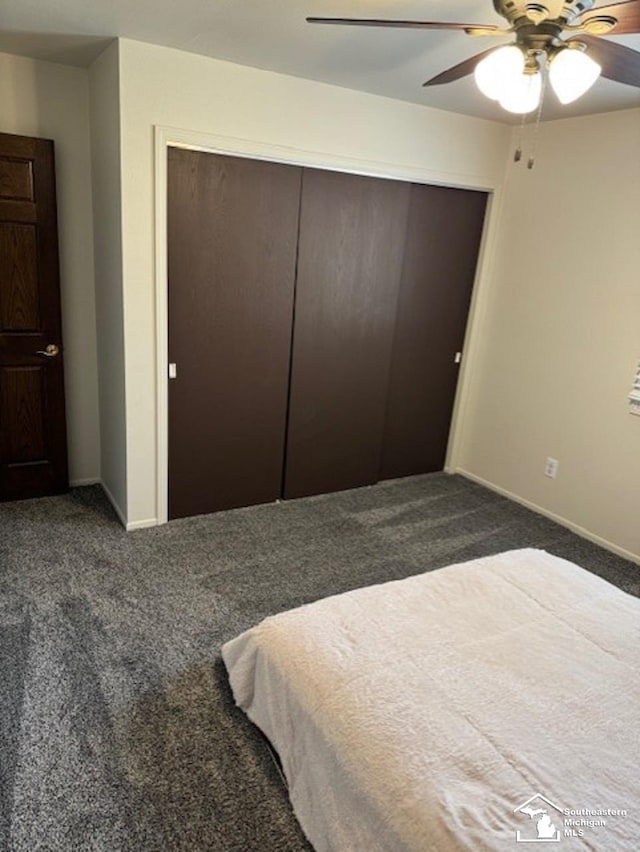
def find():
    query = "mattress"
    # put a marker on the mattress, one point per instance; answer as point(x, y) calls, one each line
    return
point(467, 708)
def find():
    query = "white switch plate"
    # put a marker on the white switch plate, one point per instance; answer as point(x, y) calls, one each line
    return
point(173, 371)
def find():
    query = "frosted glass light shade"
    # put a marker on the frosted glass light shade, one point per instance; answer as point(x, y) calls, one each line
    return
point(522, 94)
point(493, 73)
point(571, 73)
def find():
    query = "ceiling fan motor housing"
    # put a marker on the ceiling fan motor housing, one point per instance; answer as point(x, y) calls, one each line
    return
point(538, 37)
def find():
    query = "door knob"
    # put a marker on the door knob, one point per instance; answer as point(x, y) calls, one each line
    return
point(49, 351)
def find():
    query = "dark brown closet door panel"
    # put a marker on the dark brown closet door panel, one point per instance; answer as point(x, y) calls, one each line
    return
point(444, 230)
point(232, 234)
point(350, 251)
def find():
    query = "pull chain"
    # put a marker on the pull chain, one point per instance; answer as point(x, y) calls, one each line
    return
point(517, 156)
point(536, 128)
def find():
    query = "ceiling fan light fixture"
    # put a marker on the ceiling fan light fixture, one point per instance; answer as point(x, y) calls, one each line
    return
point(493, 73)
point(572, 73)
point(522, 95)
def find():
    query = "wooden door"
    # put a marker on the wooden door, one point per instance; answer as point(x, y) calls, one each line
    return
point(444, 230)
point(352, 233)
point(232, 235)
point(33, 449)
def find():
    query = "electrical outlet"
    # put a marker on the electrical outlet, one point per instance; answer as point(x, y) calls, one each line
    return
point(551, 468)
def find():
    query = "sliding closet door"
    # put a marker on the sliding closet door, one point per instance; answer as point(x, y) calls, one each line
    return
point(444, 229)
point(232, 233)
point(350, 249)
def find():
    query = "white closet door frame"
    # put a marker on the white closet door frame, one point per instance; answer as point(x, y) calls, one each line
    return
point(166, 137)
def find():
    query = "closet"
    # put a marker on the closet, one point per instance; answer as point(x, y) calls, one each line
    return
point(314, 319)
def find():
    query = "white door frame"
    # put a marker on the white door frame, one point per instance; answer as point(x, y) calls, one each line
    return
point(166, 137)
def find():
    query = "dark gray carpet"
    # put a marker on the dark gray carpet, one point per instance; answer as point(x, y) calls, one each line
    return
point(117, 728)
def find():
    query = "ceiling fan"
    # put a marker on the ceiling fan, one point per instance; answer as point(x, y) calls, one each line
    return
point(565, 39)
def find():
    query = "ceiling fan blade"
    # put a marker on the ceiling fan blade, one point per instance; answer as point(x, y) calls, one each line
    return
point(627, 15)
point(473, 29)
point(460, 70)
point(618, 62)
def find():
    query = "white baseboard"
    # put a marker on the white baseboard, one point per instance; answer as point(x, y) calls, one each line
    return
point(92, 480)
point(115, 505)
point(128, 525)
point(141, 525)
point(559, 519)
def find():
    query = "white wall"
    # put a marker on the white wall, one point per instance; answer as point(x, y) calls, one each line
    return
point(104, 78)
point(347, 129)
point(48, 100)
point(561, 334)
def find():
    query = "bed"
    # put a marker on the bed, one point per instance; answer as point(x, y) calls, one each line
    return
point(465, 708)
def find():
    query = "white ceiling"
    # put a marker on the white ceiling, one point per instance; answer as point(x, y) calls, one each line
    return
point(273, 34)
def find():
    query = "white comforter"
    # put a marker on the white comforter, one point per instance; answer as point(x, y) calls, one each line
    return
point(418, 714)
